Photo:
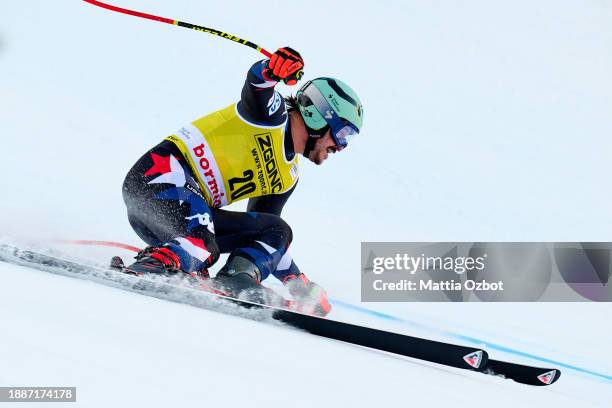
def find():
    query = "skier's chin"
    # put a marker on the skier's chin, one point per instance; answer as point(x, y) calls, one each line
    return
point(317, 159)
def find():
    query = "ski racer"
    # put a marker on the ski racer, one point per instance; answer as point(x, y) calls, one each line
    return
point(176, 192)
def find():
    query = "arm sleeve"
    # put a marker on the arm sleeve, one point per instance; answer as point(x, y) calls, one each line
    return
point(270, 204)
point(259, 102)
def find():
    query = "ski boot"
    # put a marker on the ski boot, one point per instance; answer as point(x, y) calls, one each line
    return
point(240, 279)
point(155, 260)
point(309, 297)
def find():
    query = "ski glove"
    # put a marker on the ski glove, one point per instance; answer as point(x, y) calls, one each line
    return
point(285, 65)
point(308, 296)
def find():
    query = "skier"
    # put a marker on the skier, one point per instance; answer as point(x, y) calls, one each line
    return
point(175, 193)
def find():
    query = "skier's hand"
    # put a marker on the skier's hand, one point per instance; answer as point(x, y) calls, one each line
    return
point(308, 296)
point(285, 65)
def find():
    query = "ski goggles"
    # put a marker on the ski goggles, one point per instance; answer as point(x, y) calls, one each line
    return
point(342, 131)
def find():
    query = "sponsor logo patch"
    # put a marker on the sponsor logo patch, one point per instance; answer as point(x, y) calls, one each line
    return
point(274, 103)
point(264, 143)
point(547, 377)
point(473, 359)
point(206, 165)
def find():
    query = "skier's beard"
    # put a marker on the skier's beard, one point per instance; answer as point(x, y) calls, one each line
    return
point(309, 148)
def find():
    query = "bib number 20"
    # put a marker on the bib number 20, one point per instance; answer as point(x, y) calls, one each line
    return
point(241, 186)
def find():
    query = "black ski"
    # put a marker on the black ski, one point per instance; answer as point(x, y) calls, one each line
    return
point(452, 355)
point(416, 347)
point(522, 373)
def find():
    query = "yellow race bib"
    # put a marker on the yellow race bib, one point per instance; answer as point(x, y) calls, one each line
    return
point(234, 159)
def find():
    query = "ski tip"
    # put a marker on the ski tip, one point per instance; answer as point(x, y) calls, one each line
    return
point(524, 374)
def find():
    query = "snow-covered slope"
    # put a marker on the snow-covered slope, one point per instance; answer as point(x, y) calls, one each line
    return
point(490, 123)
point(123, 349)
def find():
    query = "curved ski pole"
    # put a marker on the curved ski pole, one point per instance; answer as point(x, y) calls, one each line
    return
point(181, 24)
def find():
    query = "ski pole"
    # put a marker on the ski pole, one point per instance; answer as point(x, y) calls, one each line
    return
point(181, 24)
